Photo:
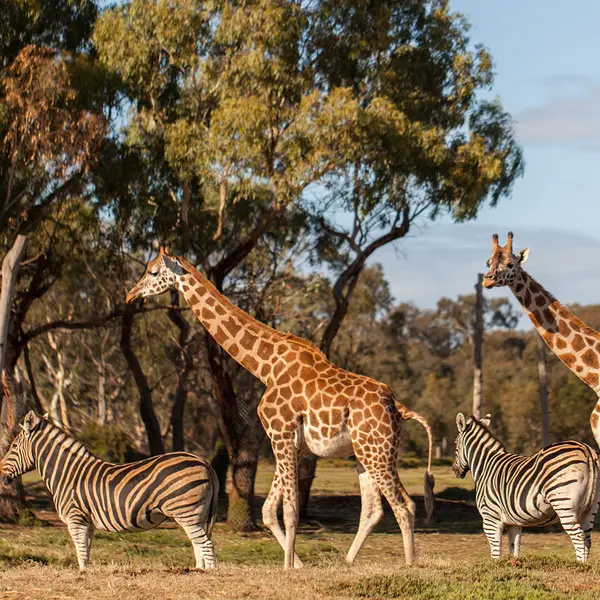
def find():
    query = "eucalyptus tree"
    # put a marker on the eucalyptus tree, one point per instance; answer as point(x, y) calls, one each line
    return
point(273, 119)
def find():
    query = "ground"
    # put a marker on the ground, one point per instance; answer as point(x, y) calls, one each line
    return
point(452, 563)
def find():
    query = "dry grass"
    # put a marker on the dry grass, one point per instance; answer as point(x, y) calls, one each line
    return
point(453, 563)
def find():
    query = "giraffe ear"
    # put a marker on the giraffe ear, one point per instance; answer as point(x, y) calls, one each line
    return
point(523, 256)
point(460, 422)
point(173, 265)
point(486, 420)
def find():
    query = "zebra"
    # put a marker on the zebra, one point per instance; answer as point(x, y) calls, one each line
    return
point(558, 483)
point(89, 493)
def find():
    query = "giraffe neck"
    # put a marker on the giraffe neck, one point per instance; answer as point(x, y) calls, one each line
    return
point(575, 344)
point(254, 345)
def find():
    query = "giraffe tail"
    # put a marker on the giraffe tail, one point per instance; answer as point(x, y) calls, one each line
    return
point(429, 479)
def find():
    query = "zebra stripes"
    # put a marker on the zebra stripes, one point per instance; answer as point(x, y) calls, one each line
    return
point(89, 493)
point(559, 482)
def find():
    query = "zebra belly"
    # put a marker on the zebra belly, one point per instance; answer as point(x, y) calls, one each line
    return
point(148, 519)
point(533, 511)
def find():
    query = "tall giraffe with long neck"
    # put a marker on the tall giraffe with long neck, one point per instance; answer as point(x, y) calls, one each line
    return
point(309, 405)
point(576, 344)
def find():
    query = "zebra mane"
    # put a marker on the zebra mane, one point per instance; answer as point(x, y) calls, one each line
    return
point(76, 447)
point(476, 423)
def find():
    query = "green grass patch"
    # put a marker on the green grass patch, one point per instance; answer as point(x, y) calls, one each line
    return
point(521, 579)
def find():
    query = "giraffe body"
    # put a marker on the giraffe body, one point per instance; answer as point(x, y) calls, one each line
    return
point(309, 405)
point(573, 342)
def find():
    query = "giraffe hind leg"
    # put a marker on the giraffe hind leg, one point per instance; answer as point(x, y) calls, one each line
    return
point(370, 513)
point(387, 480)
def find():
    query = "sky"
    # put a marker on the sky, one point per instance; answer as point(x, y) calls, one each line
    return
point(546, 56)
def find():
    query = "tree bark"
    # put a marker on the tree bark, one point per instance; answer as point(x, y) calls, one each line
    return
point(477, 349)
point(155, 442)
point(244, 461)
point(12, 499)
point(10, 270)
point(186, 366)
point(543, 384)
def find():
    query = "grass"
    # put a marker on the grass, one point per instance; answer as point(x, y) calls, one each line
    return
point(452, 563)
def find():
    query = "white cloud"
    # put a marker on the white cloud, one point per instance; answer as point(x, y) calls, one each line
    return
point(444, 260)
point(570, 113)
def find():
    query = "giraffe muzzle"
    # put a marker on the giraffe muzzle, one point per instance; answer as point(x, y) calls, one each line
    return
point(132, 295)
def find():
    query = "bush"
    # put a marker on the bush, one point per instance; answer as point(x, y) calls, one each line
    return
point(108, 442)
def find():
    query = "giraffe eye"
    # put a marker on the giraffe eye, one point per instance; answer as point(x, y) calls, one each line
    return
point(154, 273)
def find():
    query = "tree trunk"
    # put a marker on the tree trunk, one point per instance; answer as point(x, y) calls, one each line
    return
point(10, 270)
point(185, 367)
point(12, 499)
point(220, 463)
point(543, 384)
point(477, 349)
point(155, 442)
point(243, 434)
point(244, 461)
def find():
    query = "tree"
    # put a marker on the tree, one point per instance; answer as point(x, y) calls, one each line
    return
point(252, 104)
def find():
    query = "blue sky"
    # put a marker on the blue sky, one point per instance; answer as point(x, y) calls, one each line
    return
point(546, 56)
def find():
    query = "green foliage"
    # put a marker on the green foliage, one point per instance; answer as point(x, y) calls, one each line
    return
point(108, 442)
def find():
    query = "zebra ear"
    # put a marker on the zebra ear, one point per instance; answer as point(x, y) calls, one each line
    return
point(486, 420)
point(460, 422)
point(46, 415)
point(31, 422)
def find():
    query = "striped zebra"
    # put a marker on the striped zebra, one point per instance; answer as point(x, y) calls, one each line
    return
point(89, 493)
point(558, 483)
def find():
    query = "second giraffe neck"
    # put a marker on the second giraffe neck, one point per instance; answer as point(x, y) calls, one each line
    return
point(575, 344)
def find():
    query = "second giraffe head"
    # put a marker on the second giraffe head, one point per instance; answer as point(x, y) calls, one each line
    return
point(503, 264)
point(161, 274)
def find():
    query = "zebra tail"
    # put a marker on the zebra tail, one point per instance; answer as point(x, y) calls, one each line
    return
point(214, 501)
point(429, 482)
point(594, 462)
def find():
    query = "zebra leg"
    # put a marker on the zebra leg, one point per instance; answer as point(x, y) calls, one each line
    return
point(493, 530)
point(370, 513)
point(269, 514)
point(570, 523)
point(204, 549)
point(81, 534)
point(587, 524)
point(514, 540)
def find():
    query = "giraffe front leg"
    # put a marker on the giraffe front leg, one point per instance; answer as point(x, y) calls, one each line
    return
point(81, 533)
point(493, 529)
point(269, 514)
point(514, 540)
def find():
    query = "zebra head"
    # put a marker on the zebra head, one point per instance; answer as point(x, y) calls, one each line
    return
point(503, 265)
point(161, 274)
point(19, 459)
point(467, 430)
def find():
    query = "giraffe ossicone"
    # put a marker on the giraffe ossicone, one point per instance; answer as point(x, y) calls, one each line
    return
point(575, 344)
point(309, 405)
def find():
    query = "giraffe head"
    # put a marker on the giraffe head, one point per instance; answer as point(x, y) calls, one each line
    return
point(466, 429)
point(161, 274)
point(503, 265)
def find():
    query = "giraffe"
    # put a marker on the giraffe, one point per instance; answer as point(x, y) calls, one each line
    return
point(309, 405)
point(575, 344)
